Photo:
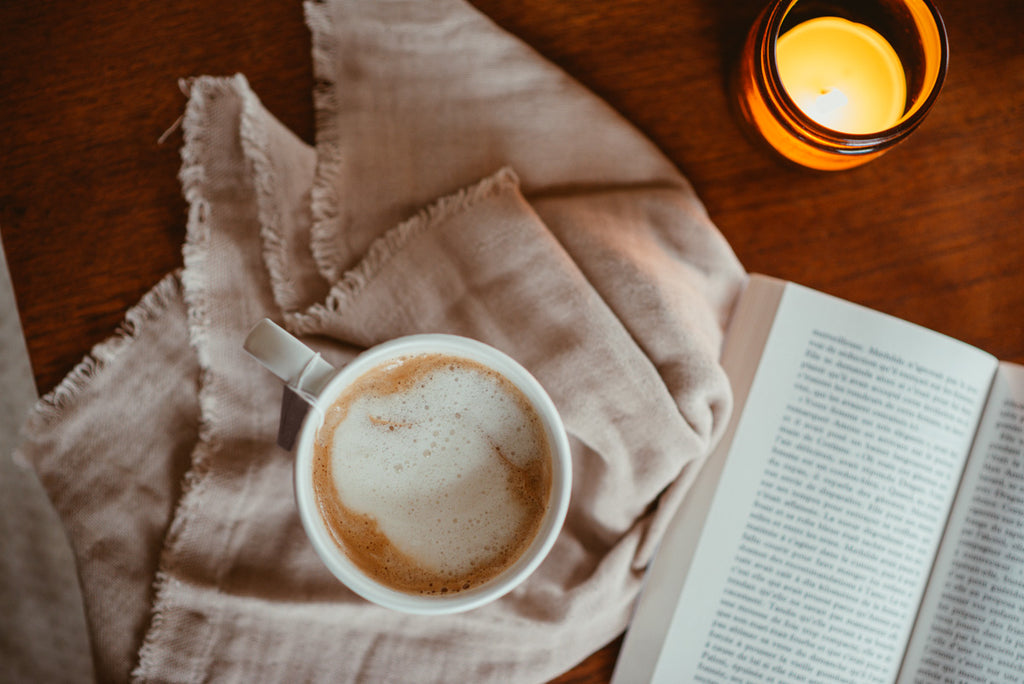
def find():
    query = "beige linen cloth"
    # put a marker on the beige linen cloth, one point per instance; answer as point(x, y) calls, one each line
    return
point(460, 183)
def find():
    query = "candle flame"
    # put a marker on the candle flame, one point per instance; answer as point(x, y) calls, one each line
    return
point(843, 75)
point(828, 102)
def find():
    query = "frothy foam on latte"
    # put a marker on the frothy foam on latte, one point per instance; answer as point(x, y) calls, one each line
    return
point(432, 473)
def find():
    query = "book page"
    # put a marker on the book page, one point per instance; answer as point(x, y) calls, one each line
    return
point(831, 502)
point(971, 623)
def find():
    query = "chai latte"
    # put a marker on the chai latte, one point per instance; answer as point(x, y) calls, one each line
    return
point(432, 473)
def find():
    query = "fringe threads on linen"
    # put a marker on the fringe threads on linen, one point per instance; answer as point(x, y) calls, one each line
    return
point(391, 242)
point(53, 403)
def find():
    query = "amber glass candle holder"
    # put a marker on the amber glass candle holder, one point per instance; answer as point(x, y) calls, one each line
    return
point(912, 29)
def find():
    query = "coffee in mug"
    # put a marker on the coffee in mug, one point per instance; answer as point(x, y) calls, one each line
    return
point(432, 473)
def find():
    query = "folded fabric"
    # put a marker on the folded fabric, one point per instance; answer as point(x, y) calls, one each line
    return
point(462, 184)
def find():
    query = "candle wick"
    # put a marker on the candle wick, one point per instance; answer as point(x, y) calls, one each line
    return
point(830, 100)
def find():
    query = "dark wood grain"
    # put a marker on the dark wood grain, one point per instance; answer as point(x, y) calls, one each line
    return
point(91, 212)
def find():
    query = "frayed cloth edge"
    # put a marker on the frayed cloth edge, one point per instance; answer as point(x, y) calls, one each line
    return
point(324, 197)
point(192, 176)
point(254, 146)
point(51, 406)
point(313, 320)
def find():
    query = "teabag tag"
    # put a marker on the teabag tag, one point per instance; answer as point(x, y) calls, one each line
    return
point(293, 410)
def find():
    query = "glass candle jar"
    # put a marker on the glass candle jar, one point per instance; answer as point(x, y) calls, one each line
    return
point(833, 84)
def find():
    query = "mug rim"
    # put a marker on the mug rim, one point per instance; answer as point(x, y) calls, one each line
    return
point(334, 557)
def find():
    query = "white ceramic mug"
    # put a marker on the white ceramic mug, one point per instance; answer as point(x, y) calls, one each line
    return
point(320, 384)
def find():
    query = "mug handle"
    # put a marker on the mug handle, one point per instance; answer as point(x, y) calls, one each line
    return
point(302, 370)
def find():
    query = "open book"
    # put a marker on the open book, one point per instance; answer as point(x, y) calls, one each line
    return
point(862, 519)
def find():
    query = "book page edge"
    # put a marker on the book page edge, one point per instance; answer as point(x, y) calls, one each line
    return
point(745, 339)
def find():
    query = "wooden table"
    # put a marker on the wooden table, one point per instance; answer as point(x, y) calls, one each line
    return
point(92, 216)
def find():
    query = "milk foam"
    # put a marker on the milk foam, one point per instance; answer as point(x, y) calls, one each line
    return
point(447, 458)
